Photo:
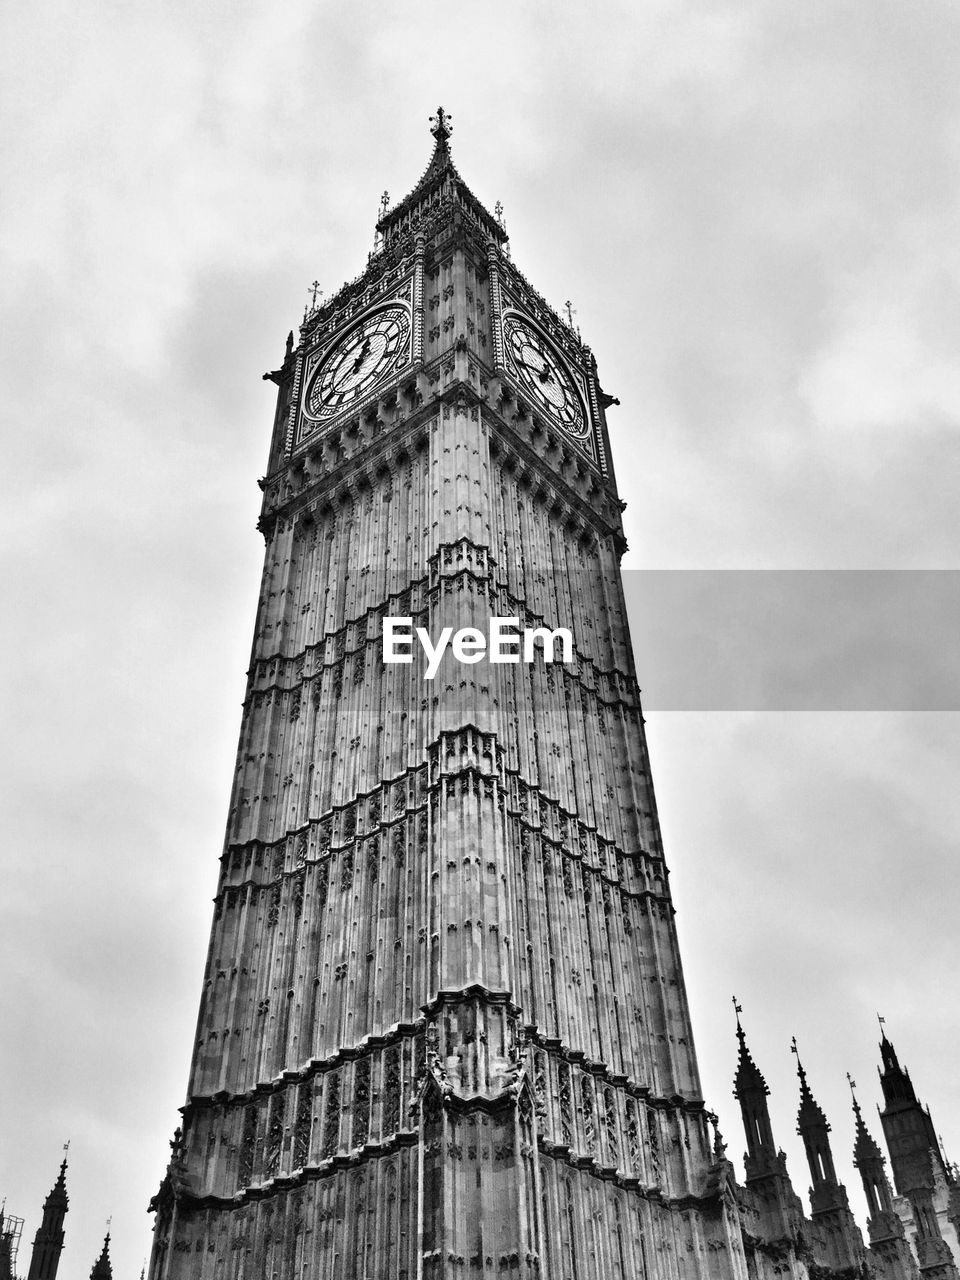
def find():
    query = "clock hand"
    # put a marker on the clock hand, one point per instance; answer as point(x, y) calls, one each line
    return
point(361, 355)
point(537, 369)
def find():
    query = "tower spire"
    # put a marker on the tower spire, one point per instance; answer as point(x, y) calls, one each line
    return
point(894, 1079)
point(48, 1242)
point(828, 1197)
point(751, 1091)
point(102, 1269)
point(813, 1127)
point(869, 1161)
point(440, 191)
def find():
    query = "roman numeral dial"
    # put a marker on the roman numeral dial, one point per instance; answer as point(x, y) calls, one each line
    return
point(358, 362)
point(542, 374)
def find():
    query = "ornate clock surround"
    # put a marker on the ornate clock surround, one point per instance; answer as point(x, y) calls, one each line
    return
point(355, 363)
point(537, 364)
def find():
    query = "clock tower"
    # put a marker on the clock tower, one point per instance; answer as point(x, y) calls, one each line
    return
point(443, 1029)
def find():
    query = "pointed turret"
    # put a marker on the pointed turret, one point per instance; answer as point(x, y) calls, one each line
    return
point(888, 1240)
point(868, 1159)
point(751, 1091)
point(885, 1229)
point(102, 1270)
point(840, 1239)
point(775, 1214)
point(48, 1242)
point(813, 1128)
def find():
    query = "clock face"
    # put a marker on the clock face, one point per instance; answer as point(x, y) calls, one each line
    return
point(542, 374)
point(358, 362)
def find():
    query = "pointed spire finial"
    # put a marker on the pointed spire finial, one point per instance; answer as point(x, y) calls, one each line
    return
point(441, 126)
point(853, 1094)
point(102, 1270)
point(737, 1006)
point(800, 1071)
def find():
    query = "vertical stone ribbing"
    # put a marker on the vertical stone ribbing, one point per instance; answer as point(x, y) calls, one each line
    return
point(496, 305)
point(418, 312)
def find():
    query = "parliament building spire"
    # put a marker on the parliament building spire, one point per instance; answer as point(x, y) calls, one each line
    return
point(48, 1242)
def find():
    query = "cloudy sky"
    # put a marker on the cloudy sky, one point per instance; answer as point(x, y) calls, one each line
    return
point(753, 208)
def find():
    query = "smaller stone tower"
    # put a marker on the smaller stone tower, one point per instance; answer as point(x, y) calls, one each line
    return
point(920, 1174)
point(887, 1237)
point(830, 1208)
point(779, 1213)
point(48, 1242)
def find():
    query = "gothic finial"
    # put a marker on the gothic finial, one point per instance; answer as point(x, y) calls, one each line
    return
point(498, 212)
point(102, 1269)
point(384, 203)
point(441, 126)
point(719, 1146)
point(800, 1071)
point(314, 290)
point(853, 1094)
point(737, 1006)
point(176, 1144)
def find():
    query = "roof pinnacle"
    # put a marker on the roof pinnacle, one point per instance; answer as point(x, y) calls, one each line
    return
point(441, 126)
point(864, 1147)
point(748, 1077)
point(810, 1113)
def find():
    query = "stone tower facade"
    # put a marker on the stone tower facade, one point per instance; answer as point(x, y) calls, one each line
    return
point(443, 1030)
